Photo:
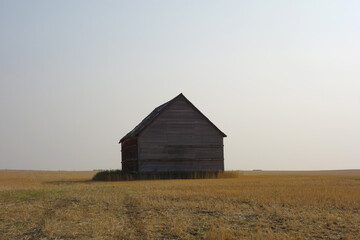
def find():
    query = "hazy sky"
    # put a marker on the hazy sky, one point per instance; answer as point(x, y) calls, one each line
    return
point(280, 78)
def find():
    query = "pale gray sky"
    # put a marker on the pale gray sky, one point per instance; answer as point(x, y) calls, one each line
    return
point(280, 78)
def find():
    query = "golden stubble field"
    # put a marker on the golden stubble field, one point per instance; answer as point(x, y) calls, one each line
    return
point(66, 205)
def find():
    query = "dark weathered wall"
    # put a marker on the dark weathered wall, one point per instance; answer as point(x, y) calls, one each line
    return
point(129, 155)
point(180, 139)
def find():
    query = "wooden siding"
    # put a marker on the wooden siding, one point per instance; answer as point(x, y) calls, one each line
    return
point(180, 139)
point(129, 155)
point(181, 165)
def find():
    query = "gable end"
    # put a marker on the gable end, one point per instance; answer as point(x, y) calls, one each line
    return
point(157, 112)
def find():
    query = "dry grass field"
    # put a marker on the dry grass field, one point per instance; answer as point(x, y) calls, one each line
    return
point(256, 205)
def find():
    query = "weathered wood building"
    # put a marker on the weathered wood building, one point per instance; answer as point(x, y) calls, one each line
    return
point(176, 136)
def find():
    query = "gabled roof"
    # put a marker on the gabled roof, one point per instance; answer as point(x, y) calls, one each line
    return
point(156, 112)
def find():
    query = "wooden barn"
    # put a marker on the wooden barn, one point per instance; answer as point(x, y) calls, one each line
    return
point(176, 136)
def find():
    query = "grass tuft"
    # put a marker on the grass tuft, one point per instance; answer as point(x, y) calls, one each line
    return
point(118, 175)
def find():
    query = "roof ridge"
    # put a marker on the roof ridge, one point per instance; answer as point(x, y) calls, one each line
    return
point(155, 113)
point(148, 119)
